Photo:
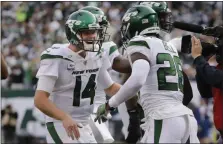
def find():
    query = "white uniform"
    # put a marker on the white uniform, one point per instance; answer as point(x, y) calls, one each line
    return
point(167, 119)
point(176, 42)
point(111, 52)
point(74, 89)
point(101, 132)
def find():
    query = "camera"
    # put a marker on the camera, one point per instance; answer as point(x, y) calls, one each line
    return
point(208, 49)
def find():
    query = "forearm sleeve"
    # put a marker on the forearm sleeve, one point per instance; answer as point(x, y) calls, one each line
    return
point(140, 71)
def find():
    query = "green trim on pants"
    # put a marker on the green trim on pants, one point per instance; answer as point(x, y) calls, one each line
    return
point(51, 128)
point(157, 130)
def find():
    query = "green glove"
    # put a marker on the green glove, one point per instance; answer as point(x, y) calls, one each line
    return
point(101, 114)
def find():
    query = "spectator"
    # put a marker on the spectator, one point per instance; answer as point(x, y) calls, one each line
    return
point(9, 119)
point(16, 78)
point(204, 123)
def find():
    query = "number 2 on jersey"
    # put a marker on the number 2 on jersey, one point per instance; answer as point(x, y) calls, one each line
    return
point(175, 64)
point(89, 91)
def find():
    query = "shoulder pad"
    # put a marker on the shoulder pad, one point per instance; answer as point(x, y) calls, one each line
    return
point(139, 41)
point(55, 51)
point(109, 47)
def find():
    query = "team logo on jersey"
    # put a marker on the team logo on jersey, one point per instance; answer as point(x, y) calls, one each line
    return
point(71, 66)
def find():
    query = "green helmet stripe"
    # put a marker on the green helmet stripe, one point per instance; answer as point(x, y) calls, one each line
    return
point(47, 56)
point(139, 43)
point(113, 49)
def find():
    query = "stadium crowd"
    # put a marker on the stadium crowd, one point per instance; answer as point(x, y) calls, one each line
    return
point(28, 28)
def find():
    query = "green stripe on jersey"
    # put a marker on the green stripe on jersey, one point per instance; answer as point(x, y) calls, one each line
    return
point(139, 43)
point(47, 56)
point(51, 128)
point(112, 49)
point(157, 130)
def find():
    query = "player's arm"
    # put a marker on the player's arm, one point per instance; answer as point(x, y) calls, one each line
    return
point(187, 89)
point(41, 99)
point(131, 104)
point(121, 65)
point(48, 74)
point(4, 70)
point(140, 70)
point(109, 86)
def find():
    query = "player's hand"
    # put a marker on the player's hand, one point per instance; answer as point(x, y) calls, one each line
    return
point(101, 114)
point(71, 127)
point(196, 49)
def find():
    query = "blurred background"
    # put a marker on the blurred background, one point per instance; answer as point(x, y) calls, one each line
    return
point(28, 28)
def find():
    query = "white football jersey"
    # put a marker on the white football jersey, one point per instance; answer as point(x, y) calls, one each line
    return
point(111, 51)
point(161, 96)
point(74, 89)
point(176, 42)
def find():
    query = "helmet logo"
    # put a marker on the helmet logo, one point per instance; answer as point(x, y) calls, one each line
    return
point(156, 4)
point(150, 4)
point(128, 15)
point(145, 21)
point(72, 22)
point(77, 22)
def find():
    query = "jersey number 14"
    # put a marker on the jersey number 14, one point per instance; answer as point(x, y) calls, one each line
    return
point(89, 91)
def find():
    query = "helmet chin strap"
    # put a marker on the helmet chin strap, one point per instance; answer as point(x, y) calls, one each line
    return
point(80, 51)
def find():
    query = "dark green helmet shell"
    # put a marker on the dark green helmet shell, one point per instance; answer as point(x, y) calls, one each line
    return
point(163, 12)
point(99, 14)
point(102, 20)
point(139, 20)
point(77, 22)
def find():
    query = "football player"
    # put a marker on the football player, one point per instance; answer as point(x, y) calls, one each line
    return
point(166, 27)
point(68, 75)
point(157, 73)
point(101, 132)
point(165, 21)
point(122, 65)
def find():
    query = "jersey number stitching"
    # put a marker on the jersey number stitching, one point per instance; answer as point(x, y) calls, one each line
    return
point(175, 64)
point(89, 91)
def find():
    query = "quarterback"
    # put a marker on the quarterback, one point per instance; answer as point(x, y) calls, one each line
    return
point(68, 76)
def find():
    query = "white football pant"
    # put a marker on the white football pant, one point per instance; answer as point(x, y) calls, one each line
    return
point(181, 129)
point(57, 134)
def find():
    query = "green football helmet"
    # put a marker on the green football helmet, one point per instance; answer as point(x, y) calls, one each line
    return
point(164, 14)
point(102, 19)
point(80, 22)
point(139, 20)
point(100, 15)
